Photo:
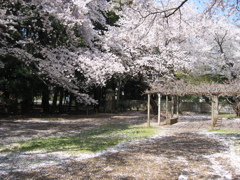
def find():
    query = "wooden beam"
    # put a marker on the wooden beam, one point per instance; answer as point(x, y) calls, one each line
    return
point(159, 109)
point(181, 93)
point(148, 111)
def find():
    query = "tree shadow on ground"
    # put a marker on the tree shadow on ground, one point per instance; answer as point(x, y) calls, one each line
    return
point(155, 158)
point(13, 130)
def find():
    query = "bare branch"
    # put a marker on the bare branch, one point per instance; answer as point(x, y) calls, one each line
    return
point(178, 8)
point(165, 12)
point(220, 40)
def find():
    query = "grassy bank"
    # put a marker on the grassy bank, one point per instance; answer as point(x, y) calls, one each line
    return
point(227, 115)
point(101, 138)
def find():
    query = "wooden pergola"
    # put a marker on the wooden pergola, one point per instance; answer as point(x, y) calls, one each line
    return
point(183, 89)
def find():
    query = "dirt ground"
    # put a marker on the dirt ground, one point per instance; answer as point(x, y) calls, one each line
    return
point(185, 150)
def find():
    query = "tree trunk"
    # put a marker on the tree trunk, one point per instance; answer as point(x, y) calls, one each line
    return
point(237, 109)
point(235, 106)
point(70, 103)
point(76, 105)
point(98, 96)
point(45, 100)
point(175, 104)
point(214, 111)
point(61, 101)
point(4, 105)
point(26, 104)
point(154, 106)
point(119, 86)
point(54, 103)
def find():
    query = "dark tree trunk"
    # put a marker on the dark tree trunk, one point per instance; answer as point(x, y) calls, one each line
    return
point(4, 104)
point(45, 100)
point(237, 109)
point(175, 104)
point(54, 104)
point(70, 103)
point(98, 97)
point(76, 105)
point(61, 109)
point(154, 106)
point(235, 106)
point(26, 104)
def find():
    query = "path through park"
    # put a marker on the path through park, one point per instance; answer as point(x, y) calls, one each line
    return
point(186, 150)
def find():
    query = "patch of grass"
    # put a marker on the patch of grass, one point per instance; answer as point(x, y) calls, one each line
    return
point(227, 115)
point(226, 131)
point(89, 141)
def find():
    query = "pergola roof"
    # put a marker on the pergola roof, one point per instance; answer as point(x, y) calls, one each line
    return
point(180, 93)
point(180, 88)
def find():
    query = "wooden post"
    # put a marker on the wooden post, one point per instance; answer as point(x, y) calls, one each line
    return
point(148, 106)
point(159, 109)
point(166, 107)
point(172, 108)
point(214, 112)
point(177, 107)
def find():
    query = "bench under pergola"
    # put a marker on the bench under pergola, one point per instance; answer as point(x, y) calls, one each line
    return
point(179, 88)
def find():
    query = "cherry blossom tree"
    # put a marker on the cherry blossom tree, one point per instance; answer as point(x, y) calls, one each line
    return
point(153, 38)
point(166, 36)
point(153, 45)
point(58, 38)
point(221, 55)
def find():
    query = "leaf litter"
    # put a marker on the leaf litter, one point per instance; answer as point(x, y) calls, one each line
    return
point(177, 152)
